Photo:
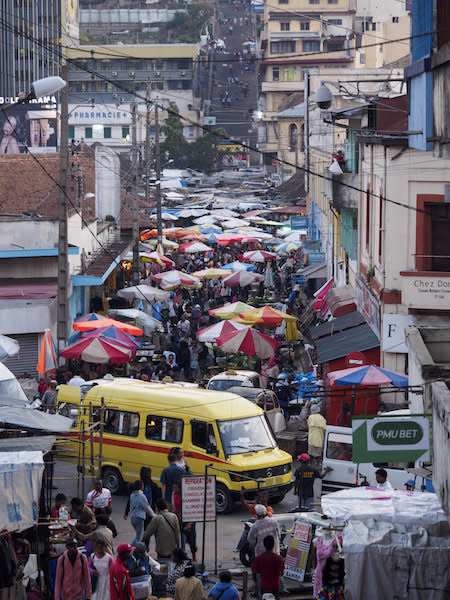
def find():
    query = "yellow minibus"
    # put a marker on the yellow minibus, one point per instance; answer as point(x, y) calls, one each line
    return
point(144, 420)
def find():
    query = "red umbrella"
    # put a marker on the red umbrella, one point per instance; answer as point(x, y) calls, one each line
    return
point(174, 279)
point(88, 325)
point(98, 349)
point(250, 342)
point(259, 256)
point(241, 279)
point(226, 239)
point(156, 257)
point(221, 329)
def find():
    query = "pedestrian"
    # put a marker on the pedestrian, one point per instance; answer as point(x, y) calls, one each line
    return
point(305, 475)
point(120, 584)
point(184, 358)
point(189, 587)
point(269, 566)
point(164, 526)
point(49, 398)
point(184, 325)
point(84, 516)
point(139, 508)
point(101, 532)
point(224, 589)
point(316, 432)
point(382, 480)
point(263, 526)
point(73, 581)
point(170, 475)
point(100, 563)
point(176, 570)
point(99, 497)
point(151, 489)
point(283, 391)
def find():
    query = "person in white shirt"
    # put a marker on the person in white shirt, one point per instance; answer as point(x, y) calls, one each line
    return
point(99, 497)
point(76, 380)
point(184, 325)
point(382, 482)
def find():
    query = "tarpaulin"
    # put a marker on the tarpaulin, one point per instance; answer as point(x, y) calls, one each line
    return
point(20, 487)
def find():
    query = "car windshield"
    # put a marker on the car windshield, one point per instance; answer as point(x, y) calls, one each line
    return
point(251, 434)
point(222, 385)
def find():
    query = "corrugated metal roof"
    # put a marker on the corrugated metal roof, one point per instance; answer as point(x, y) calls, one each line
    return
point(335, 346)
point(334, 326)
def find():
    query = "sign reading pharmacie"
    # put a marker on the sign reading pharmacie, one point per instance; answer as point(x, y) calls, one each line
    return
point(99, 114)
point(391, 439)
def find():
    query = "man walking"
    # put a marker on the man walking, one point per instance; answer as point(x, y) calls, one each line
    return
point(99, 497)
point(263, 527)
point(166, 529)
point(269, 566)
point(73, 580)
point(119, 578)
point(304, 481)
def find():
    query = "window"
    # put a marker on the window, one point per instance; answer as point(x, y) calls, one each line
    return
point(70, 411)
point(240, 436)
point(339, 446)
point(71, 132)
point(332, 1)
point(126, 133)
point(334, 21)
point(304, 25)
point(283, 1)
point(107, 132)
point(362, 58)
point(120, 422)
point(292, 137)
point(314, 1)
point(275, 74)
point(88, 132)
point(374, 26)
point(285, 26)
point(282, 47)
point(333, 45)
point(164, 429)
point(440, 238)
point(395, 19)
point(290, 74)
point(310, 45)
point(203, 436)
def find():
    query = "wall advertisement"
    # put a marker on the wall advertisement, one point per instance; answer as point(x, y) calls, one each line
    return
point(28, 128)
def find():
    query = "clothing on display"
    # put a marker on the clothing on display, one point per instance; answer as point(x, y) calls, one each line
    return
point(326, 546)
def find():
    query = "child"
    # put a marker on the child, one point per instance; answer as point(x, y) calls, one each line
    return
point(99, 566)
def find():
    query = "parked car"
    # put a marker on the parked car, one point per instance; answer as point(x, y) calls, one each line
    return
point(233, 378)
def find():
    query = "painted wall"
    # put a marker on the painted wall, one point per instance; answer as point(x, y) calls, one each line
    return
point(16, 234)
point(421, 110)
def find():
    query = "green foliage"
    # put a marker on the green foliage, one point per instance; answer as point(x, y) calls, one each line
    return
point(175, 146)
point(187, 26)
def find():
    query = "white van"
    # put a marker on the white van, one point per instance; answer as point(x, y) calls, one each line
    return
point(337, 454)
point(233, 378)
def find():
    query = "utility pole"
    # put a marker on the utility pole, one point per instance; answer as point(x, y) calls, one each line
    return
point(306, 128)
point(63, 263)
point(158, 176)
point(134, 196)
point(147, 147)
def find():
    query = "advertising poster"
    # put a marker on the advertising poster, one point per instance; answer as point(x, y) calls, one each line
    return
point(28, 128)
point(299, 548)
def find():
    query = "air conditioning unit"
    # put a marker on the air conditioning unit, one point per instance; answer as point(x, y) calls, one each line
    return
point(132, 74)
point(115, 74)
point(183, 73)
point(158, 73)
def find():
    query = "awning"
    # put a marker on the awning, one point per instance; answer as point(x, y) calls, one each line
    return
point(43, 443)
point(32, 419)
point(334, 326)
point(341, 300)
point(339, 345)
point(315, 271)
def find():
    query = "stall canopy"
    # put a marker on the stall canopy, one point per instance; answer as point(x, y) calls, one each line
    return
point(20, 416)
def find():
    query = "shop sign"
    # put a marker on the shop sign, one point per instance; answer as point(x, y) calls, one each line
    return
point(368, 305)
point(393, 439)
point(103, 114)
point(316, 257)
point(426, 292)
point(299, 548)
point(299, 222)
point(193, 499)
point(312, 245)
point(393, 338)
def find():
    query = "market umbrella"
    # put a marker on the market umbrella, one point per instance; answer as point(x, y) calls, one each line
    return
point(193, 235)
point(287, 247)
point(156, 257)
point(211, 273)
point(226, 239)
point(194, 247)
point(259, 256)
point(266, 316)
point(98, 349)
point(238, 266)
point(367, 375)
point(88, 325)
point(8, 347)
point(145, 292)
point(228, 311)
point(165, 243)
point(90, 317)
point(174, 279)
point(241, 279)
point(250, 342)
point(115, 334)
point(143, 319)
point(47, 355)
point(223, 328)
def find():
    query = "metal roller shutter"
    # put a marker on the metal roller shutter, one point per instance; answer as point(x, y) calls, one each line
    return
point(26, 360)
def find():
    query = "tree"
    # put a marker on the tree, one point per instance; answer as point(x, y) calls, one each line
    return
point(175, 147)
point(187, 26)
point(203, 151)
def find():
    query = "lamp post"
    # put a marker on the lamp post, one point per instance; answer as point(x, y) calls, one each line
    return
point(39, 88)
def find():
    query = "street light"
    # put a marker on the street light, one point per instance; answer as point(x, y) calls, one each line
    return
point(39, 88)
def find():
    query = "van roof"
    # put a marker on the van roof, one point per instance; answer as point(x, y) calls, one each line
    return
point(165, 398)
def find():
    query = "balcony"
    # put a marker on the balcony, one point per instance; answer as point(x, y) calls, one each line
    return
point(336, 189)
point(281, 86)
point(134, 75)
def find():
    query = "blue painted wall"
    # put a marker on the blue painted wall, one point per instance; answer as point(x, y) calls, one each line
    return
point(421, 22)
point(421, 110)
point(78, 301)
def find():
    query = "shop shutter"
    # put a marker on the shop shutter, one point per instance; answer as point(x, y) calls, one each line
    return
point(26, 360)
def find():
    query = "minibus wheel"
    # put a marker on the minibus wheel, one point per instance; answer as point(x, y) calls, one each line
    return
point(277, 499)
point(223, 499)
point(112, 479)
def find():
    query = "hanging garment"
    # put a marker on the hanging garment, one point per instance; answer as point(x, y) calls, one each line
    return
point(8, 561)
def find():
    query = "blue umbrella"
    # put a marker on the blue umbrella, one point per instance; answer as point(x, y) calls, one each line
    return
point(367, 375)
point(114, 333)
point(238, 266)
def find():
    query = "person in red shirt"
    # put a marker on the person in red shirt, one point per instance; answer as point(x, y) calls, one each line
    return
point(73, 580)
point(60, 502)
point(261, 498)
point(269, 566)
point(119, 578)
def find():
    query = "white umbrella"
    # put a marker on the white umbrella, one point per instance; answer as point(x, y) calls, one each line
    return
point(143, 319)
point(206, 220)
point(211, 333)
point(8, 347)
point(233, 223)
point(241, 279)
point(225, 213)
point(295, 236)
point(144, 292)
point(197, 247)
point(192, 212)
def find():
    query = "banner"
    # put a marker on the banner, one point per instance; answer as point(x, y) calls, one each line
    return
point(193, 499)
point(28, 128)
point(391, 439)
point(299, 548)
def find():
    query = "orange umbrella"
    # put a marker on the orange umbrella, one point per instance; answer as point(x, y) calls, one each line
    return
point(148, 234)
point(47, 355)
point(193, 235)
point(266, 316)
point(88, 325)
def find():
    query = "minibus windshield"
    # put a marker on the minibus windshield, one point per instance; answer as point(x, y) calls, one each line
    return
point(251, 434)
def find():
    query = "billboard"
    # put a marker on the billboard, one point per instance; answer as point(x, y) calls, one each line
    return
point(28, 128)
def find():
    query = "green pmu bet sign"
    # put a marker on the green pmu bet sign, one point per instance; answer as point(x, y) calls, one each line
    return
point(390, 439)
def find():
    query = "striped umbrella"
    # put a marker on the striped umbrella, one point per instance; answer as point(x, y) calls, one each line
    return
point(87, 325)
point(174, 279)
point(241, 279)
point(259, 256)
point(228, 311)
point(250, 342)
point(223, 328)
point(99, 349)
point(47, 355)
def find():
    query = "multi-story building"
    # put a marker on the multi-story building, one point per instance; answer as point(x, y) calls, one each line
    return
point(104, 80)
point(31, 35)
point(299, 35)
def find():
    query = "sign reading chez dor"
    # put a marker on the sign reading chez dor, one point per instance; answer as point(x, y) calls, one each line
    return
point(426, 292)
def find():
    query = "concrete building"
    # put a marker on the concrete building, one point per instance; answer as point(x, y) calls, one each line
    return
point(100, 106)
point(30, 38)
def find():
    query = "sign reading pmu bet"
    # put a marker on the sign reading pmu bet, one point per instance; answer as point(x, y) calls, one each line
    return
point(390, 439)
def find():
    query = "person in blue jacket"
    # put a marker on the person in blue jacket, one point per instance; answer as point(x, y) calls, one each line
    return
point(224, 589)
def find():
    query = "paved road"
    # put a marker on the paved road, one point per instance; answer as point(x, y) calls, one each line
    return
point(233, 100)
